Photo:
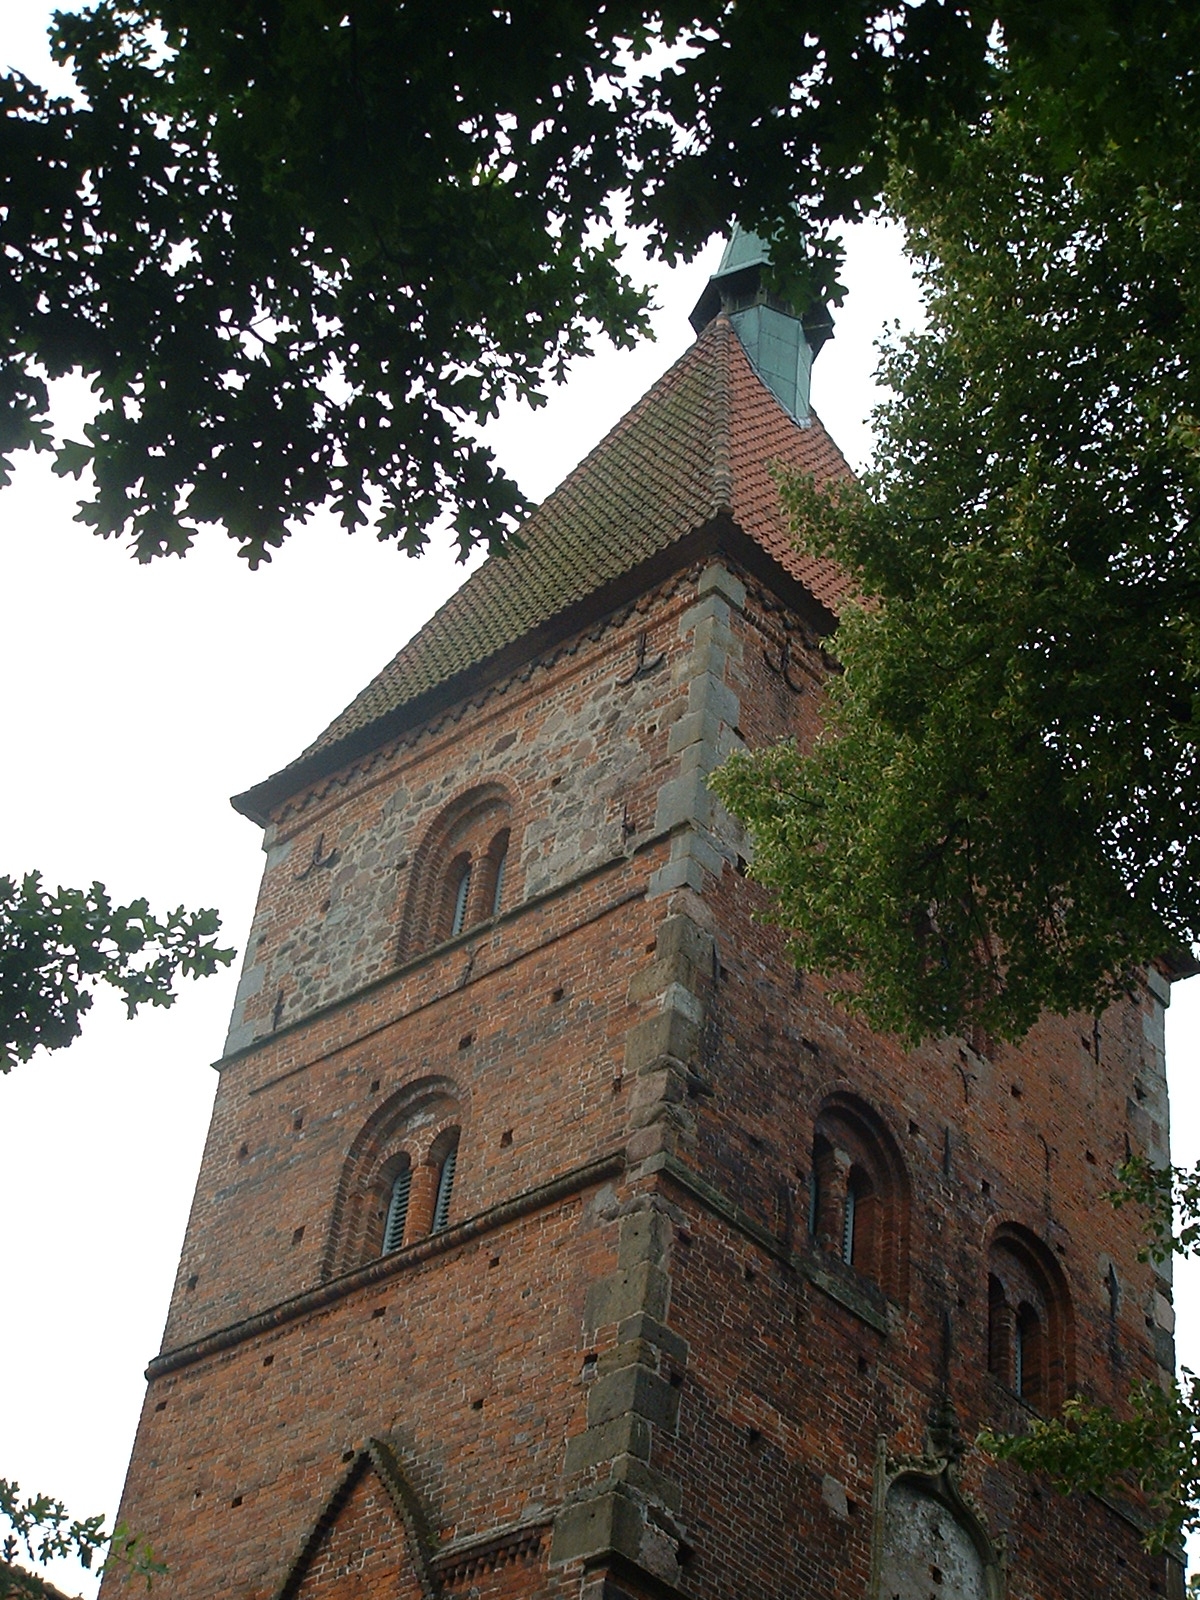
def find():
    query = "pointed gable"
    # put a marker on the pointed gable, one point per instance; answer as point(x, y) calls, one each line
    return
point(697, 450)
point(369, 1543)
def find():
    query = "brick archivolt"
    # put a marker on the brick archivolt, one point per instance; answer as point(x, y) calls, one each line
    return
point(470, 835)
point(857, 1166)
point(416, 1125)
point(1025, 1280)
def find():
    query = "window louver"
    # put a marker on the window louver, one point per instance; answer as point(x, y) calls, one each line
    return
point(498, 891)
point(848, 1226)
point(460, 902)
point(441, 1210)
point(393, 1233)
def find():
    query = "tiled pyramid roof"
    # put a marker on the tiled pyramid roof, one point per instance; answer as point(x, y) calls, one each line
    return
point(699, 445)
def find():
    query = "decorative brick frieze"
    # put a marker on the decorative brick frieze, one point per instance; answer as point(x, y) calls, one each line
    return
point(464, 1560)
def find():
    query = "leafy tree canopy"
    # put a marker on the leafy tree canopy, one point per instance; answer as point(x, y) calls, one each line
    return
point(40, 1528)
point(1002, 814)
point(302, 249)
point(56, 948)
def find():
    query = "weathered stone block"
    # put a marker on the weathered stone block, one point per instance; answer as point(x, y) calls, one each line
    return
point(710, 694)
point(681, 872)
point(645, 1236)
point(695, 728)
point(662, 1086)
point(626, 1437)
point(656, 1334)
point(634, 1389)
point(681, 936)
point(609, 1523)
point(646, 1481)
point(680, 801)
point(667, 1037)
point(644, 1287)
point(717, 579)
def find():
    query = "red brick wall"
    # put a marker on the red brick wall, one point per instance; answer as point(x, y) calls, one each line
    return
point(627, 1318)
point(364, 1554)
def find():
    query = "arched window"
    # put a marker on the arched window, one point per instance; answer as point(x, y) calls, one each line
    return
point(861, 1221)
point(1030, 1327)
point(459, 874)
point(398, 1177)
point(858, 1198)
point(1030, 1374)
point(1002, 1333)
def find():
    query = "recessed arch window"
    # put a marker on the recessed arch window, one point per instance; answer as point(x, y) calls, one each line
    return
point(932, 1542)
point(460, 872)
point(1030, 1343)
point(860, 1221)
point(858, 1194)
point(398, 1177)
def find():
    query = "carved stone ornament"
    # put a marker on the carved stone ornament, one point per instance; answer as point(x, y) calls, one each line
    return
point(928, 1539)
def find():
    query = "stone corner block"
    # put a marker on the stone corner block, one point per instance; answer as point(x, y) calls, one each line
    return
point(680, 801)
point(626, 1437)
point(679, 935)
point(717, 579)
point(656, 1335)
point(682, 873)
point(710, 694)
point(636, 1390)
point(648, 1481)
point(642, 1287)
point(670, 1034)
point(649, 1140)
point(607, 1523)
point(645, 1236)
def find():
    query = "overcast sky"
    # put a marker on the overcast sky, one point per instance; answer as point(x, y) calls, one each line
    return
point(134, 702)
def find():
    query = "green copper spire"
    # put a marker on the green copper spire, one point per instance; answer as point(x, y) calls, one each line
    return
point(781, 344)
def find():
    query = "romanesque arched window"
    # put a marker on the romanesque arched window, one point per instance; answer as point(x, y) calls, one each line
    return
point(459, 874)
point(398, 1176)
point(1030, 1343)
point(859, 1195)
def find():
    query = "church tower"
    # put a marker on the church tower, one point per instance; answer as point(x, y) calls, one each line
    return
point(554, 1237)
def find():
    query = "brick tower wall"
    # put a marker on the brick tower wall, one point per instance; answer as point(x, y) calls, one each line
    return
point(625, 1367)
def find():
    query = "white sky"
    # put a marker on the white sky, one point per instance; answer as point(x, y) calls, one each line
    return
point(134, 702)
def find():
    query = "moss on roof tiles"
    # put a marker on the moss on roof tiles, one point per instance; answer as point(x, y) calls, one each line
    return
point(699, 444)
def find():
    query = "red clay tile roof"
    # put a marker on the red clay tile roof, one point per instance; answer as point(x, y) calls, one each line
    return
point(699, 445)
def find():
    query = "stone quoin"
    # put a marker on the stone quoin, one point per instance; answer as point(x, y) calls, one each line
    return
point(555, 1237)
